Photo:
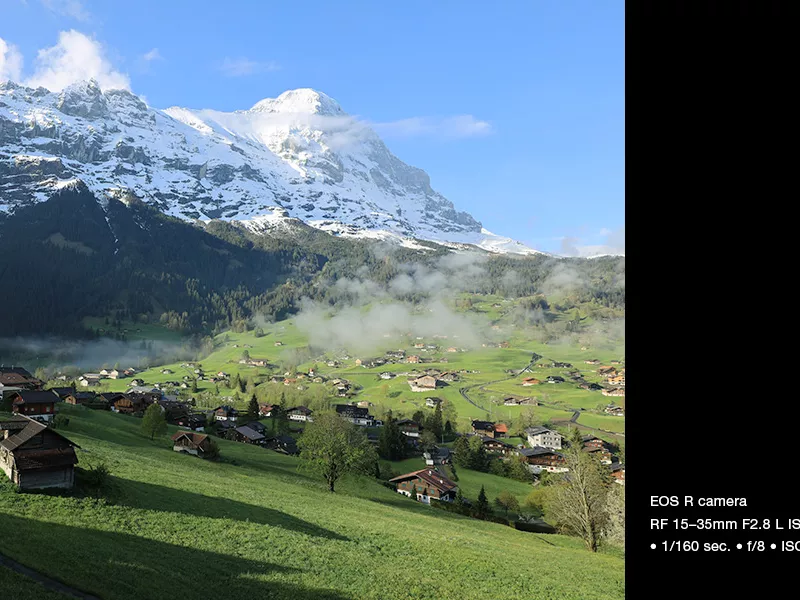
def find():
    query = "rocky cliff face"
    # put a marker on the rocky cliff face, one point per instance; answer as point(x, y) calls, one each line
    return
point(299, 155)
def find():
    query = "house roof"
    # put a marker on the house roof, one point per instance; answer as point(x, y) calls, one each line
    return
point(303, 410)
point(537, 451)
point(34, 397)
point(485, 425)
point(431, 477)
point(501, 427)
point(196, 438)
point(354, 412)
point(249, 433)
point(31, 429)
point(539, 430)
point(62, 391)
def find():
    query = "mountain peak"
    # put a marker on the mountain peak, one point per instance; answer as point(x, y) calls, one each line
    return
point(302, 100)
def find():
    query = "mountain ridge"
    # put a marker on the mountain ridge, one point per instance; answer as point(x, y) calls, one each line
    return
point(300, 152)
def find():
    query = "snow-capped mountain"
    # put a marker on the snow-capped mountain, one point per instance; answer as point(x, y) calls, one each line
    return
point(297, 156)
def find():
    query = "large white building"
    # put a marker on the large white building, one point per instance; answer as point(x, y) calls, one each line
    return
point(543, 437)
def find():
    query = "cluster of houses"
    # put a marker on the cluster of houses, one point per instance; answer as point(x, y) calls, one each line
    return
point(542, 453)
point(614, 378)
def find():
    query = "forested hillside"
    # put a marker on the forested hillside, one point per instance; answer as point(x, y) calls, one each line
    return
point(71, 258)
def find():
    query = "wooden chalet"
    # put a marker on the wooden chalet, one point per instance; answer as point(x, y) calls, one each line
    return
point(409, 427)
point(486, 428)
point(497, 446)
point(35, 404)
point(528, 381)
point(191, 442)
point(430, 485)
point(355, 414)
point(439, 456)
point(618, 473)
point(132, 403)
point(614, 392)
point(426, 383)
point(544, 459)
point(246, 435)
point(265, 410)
point(34, 456)
point(193, 421)
point(284, 444)
point(17, 378)
point(63, 392)
point(300, 413)
point(225, 413)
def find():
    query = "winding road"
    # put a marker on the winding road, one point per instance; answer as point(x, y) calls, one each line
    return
point(534, 357)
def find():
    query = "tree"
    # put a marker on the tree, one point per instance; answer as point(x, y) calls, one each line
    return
point(435, 424)
point(517, 468)
point(453, 474)
point(459, 497)
point(507, 501)
point(391, 441)
point(246, 355)
point(281, 416)
point(478, 460)
point(427, 441)
point(461, 453)
point(153, 422)
point(234, 384)
point(414, 492)
point(252, 409)
point(482, 505)
point(332, 447)
point(615, 526)
point(526, 419)
point(194, 386)
point(419, 417)
point(212, 452)
point(578, 503)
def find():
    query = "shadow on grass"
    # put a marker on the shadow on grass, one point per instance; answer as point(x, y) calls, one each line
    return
point(123, 566)
point(137, 494)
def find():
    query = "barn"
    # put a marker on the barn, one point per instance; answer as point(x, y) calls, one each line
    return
point(33, 456)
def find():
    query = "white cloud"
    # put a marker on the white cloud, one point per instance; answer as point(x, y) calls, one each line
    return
point(460, 126)
point(154, 54)
point(10, 62)
point(74, 58)
point(240, 67)
point(68, 8)
point(614, 243)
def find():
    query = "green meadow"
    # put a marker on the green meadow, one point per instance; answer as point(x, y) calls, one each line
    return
point(254, 526)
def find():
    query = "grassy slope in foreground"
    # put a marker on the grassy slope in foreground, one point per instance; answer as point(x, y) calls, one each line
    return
point(259, 529)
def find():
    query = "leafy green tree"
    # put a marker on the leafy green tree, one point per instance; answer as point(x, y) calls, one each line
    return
point(506, 501)
point(153, 422)
point(578, 503)
point(333, 447)
point(419, 417)
point(459, 497)
point(453, 474)
point(414, 492)
point(427, 441)
point(246, 355)
point(194, 386)
point(482, 505)
point(517, 468)
point(235, 381)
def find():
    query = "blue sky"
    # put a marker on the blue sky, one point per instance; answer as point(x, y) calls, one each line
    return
point(516, 111)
